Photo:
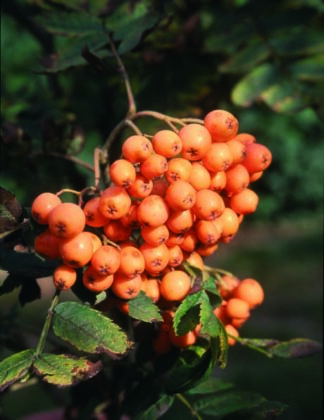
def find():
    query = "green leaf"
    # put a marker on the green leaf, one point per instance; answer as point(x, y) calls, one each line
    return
point(143, 309)
point(22, 263)
point(264, 411)
point(246, 58)
point(186, 317)
point(284, 97)
point(157, 409)
point(309, 69)
point(64, 370)
point(88, 330)
point(254, 84)
point(298, 347)
point(308, 41)
point(185, 376)
point(210, 386)
point(15, 367)
point(209, 322)
point(69, 23)
point(226, 403)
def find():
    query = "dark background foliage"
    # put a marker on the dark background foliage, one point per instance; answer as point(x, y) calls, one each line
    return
point(261, 60)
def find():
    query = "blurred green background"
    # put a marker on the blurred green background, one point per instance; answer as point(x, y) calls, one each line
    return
point(196, 56)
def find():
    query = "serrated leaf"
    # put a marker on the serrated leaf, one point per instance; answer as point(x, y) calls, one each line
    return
point(309, 69)
point(64, 370)
point(143, 309)
point(251, 86)
point(298, 347)
point(10, 211)
point(187, 315)
point(22, 263)
point(226, 403)
point(69, 23)
point(210, 386)
point(246, 58)
point(186, 376)
point(88, 330)
point(15, 367)
point(221, 346)
point(209, 322)
point(157, 409)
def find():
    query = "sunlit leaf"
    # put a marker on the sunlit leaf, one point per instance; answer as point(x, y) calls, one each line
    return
point(254, 84)
point(88, 330)
point(284, 97)
point(64, 370)
point(15, 367)
point(143, 309)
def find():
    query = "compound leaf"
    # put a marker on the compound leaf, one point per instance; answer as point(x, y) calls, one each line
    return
point(143, 309)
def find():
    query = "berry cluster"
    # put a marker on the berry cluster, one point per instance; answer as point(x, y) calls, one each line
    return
point(173, 197)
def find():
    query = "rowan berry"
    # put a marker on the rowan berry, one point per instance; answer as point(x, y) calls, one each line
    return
point(42, 205)
point(64, 277)
point(178, 168)
point(196, 141)
point(94, 217)
point(137, 148)
point(114, 202)
point(221, 124)
point(180, 195)
point(66, 220)
point(175, 285)
point(152, 211)
point(105, 260)
point(95, 282)
point(126, 287)
point(209, 205)
point(251, 291)
point(76, 251)
point(122, 173)
point(167, 143)
point(154, 166)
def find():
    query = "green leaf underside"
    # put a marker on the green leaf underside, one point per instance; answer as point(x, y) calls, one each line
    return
point(15, 367)
point(227, 403)
point(143, 309)
point(64, 370)
point(298, 347)
point(210, 386)
point(156, 410)
point(88, 330)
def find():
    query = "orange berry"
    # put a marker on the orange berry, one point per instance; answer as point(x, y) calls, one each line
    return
point(156, 257)
point(175, 256)
point(237, 308)
point(199, 176)
point(205, 250)
point(180, 221)
point(116, 231)
point(166, 143)
point(105, 260)
point(47, 245)
point(244, 202)
point(152, 211)
point(251, 291)
point(96, 241)
point(66, 220)
point(257, 158)
point(77, 251)
point(154, 166)
point(122, 173)
point(182, 341)
point(195, 259)
point(126, 287)
point(221, 314)
point(237, 179)
point(190, 240)
point(136, 148)
point(217, 181)
point(230, 223)
point(64, 277)
point(94, 217)
point(207, 232)
point(155, 235)
point(151, 287)
point(218, 158)
point(160, 186)
point(227, 286)
point(130, 218)
point(196, 141)
point(245, 138)
point(238, 150)
point(114, 202)
point(178, 168)
point(209, 205)
point(180, 195)
point(175, 285)
point(42, 205)
point(232, 331)
point(95, 282)
point(221, 124)
point(132, 261)
point(255, 176)
point(141, 187)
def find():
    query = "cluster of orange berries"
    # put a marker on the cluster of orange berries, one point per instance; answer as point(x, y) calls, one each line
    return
point(172, 198)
